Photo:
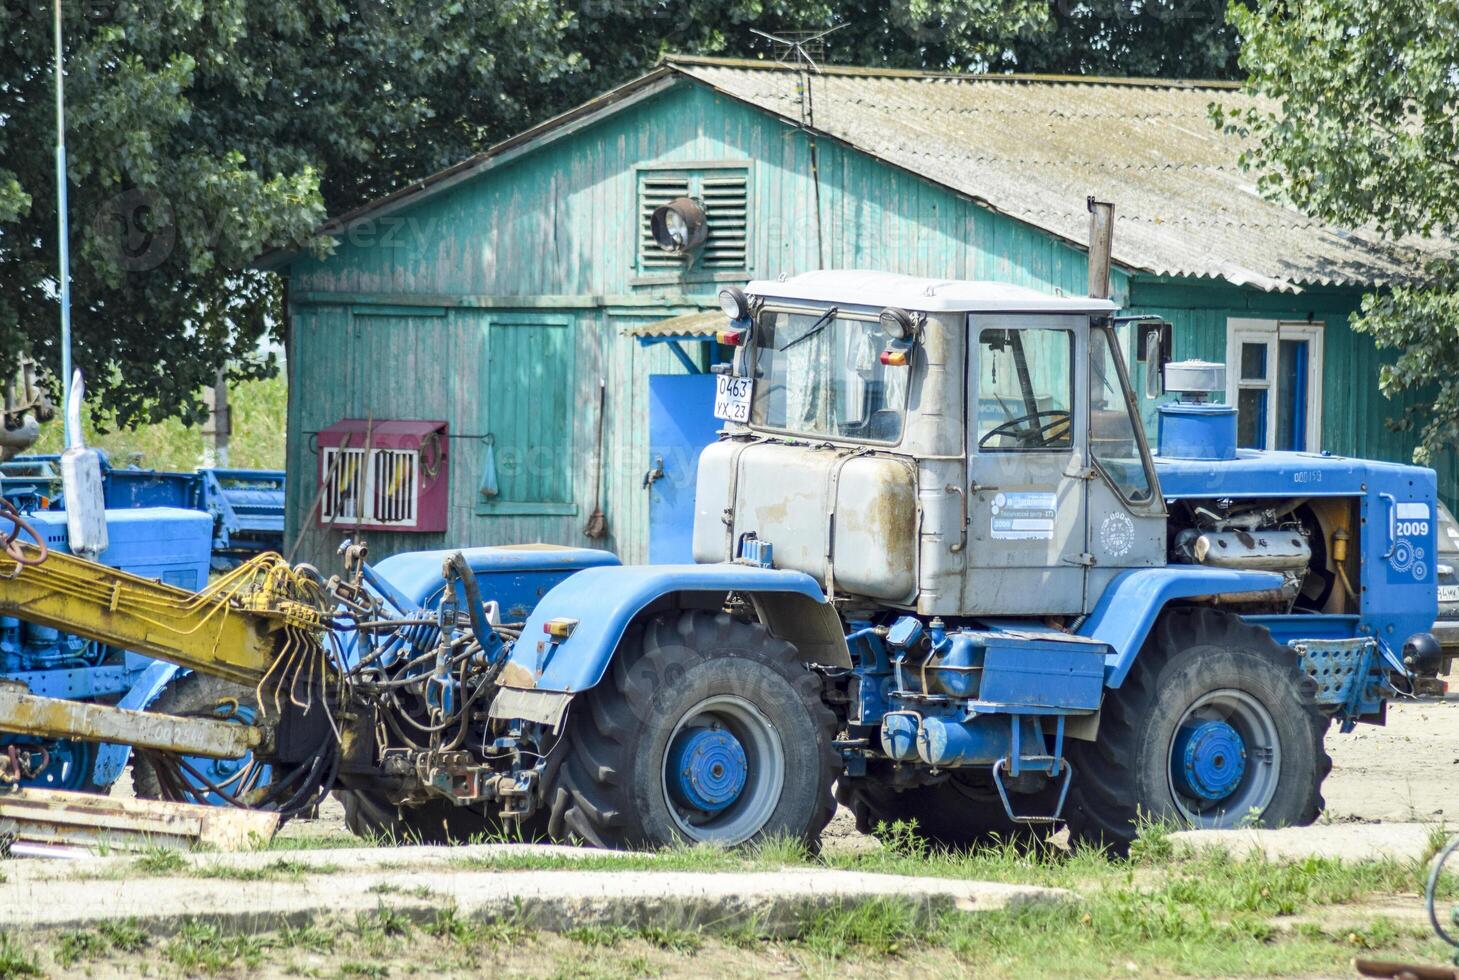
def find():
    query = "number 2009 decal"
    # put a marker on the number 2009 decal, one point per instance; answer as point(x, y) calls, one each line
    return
point(1412, 529)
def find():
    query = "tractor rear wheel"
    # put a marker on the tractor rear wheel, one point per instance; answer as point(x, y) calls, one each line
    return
point(705, 728)
point(198, 695)
point(1212, 728)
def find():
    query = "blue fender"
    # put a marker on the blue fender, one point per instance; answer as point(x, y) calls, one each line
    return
point(514, 576)
point(604, 600)
point(1124, 614)
point(151, 682)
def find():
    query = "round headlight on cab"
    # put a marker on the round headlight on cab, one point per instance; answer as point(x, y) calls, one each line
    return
point(734, 302)
point(898, 323)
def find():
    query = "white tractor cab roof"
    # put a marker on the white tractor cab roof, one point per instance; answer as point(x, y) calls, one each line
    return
point(858, 287)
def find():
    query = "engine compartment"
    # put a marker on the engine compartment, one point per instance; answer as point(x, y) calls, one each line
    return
point(1309, 541)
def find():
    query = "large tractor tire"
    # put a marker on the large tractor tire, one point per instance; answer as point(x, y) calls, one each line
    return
point(372, 816)
point(705, 728)
point(1212, 728)
point(198, 695)
point(950, 815)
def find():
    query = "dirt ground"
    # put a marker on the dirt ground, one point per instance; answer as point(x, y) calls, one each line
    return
point(1406, 770)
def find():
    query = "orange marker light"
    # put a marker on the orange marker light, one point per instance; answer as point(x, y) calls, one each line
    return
point(730, 338)
point(560, 628)
point(894, 358)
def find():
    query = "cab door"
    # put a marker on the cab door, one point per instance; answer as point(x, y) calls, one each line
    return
point(1026, 442)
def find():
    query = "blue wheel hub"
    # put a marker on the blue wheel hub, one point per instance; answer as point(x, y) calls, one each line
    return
point(1208, 760)
point(224, 772)
point(706, 769)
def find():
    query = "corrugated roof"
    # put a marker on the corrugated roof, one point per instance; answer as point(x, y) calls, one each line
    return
point(702, 323)
point(1035, 147)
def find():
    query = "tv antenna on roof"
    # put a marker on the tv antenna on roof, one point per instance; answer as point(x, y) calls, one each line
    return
point(801, 47)
point(803, 50)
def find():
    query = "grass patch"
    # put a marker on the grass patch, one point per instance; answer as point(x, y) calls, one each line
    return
point(283, 868)
point(600, 935)
point(673, 940)
point(202, 947)
point(17, 960)
point(879, 928)
point(160, 861)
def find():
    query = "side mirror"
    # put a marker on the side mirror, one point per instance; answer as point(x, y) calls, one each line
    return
point(1153, 350)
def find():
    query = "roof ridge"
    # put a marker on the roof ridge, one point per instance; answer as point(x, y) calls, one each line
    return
point(674, 60)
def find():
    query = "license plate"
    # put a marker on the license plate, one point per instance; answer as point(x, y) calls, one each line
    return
point(732, 398)
point(1449, 593)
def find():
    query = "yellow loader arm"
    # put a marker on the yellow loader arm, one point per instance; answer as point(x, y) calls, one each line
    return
point(260, 624)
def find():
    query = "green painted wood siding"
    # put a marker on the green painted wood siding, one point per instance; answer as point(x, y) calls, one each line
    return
point(562, 221)
point(392, 323)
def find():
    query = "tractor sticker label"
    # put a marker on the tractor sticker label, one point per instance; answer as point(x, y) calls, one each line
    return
point(1117, 534)
point(1023, 516)
point(1411, 523)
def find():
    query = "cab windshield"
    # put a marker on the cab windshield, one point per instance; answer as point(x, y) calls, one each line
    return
point(819, 373)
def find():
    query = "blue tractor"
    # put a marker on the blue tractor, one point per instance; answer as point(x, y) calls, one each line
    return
point(943, 578)
point(173, 527)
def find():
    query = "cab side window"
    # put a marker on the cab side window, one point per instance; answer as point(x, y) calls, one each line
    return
point(1025, 389)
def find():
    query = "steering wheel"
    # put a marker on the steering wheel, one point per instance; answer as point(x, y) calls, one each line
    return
point(10, 543)
point(1036, 434)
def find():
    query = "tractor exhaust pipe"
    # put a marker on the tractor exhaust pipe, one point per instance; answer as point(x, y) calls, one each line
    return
point(1101, 235)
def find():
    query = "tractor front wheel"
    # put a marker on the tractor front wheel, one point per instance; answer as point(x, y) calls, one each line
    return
point(705, 729)
point(1211, 729)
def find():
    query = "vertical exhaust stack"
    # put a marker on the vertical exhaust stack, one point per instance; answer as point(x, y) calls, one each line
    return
point(1101, 237)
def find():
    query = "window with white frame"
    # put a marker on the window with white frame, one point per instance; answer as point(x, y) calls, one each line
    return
point(1274, 378)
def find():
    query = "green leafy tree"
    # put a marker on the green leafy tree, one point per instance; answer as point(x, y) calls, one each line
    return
point(204, 132)
point(1360, 126)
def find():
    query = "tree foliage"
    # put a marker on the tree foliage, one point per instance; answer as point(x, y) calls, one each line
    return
point(1363, 129)
point(204, 132)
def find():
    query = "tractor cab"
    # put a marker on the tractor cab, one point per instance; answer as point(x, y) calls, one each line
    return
point(949, 447)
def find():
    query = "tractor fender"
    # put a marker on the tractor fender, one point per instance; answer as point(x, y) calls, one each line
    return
point(151, 682)
point(1125, 612)
point(601, 602)
point(515, 576)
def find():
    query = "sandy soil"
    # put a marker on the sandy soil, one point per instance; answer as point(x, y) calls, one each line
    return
point(1405, 770)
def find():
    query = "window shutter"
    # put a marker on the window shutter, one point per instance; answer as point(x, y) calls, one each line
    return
point(655, 191)
point(724, 206)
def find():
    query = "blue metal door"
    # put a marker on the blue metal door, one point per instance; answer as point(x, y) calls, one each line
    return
point(681, 423)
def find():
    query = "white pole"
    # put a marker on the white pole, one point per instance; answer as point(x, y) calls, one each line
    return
point(73, 436)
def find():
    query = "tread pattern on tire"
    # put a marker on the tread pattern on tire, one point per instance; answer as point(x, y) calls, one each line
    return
point(588, 808)
point(1100, 808)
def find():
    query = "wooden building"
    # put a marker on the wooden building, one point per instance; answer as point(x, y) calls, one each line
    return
point(497, 295)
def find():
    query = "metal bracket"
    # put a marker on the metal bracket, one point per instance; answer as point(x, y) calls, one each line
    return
point(1339, 668)
point(1054, 817)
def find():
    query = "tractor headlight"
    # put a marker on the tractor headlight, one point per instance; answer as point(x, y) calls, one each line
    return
point(734, 303)
point(897, 323)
